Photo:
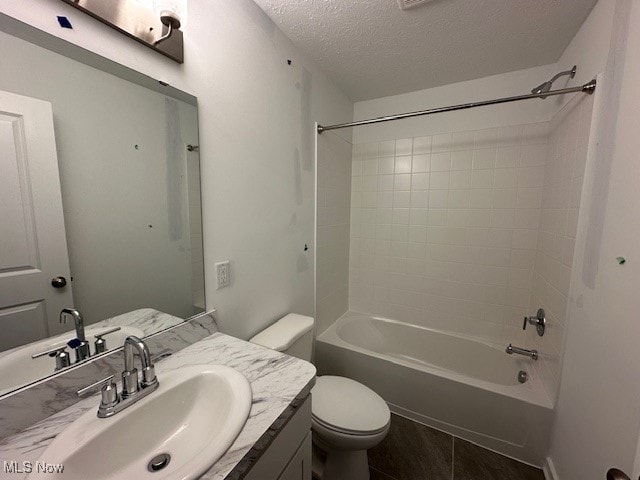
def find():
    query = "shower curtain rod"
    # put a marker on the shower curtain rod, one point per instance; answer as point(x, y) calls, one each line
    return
point(586, 88)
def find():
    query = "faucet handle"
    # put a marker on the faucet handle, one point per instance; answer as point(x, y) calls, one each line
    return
point(51, 352)
point(101, 344)
point(539, 320)
point(109, 399)
point(108, 381)
point(63, 360)
point(109, 391)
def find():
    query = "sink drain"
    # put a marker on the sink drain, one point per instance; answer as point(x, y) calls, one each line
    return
point(159, 462)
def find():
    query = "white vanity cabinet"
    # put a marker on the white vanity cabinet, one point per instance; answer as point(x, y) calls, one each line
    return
point(300, 464)
point(288, 457)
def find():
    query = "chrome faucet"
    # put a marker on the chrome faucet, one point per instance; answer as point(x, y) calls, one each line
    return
point(132, 390)
point(532, 354)
point(130, 384)
point(82, 350)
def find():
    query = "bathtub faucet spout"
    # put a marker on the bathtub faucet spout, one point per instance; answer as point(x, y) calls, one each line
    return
point(532, 354)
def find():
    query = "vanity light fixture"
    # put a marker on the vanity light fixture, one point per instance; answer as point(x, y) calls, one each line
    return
point(154, 23)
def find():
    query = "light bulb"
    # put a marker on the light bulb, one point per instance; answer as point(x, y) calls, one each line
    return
point(173, 8)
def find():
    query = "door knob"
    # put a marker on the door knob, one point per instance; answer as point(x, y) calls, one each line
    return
point(58, 282)
point(615, 474)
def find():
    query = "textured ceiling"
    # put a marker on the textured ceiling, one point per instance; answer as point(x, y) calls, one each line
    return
point(371, 48)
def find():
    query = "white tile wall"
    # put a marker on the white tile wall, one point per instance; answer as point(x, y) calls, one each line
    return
point(562, 189)
point(444, 228)
point(334, 193)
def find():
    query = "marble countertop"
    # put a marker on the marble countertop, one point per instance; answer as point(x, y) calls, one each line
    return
point(276, 381)
point(148, 320)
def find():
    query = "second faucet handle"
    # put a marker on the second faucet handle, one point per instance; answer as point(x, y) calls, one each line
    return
point(100, 343)
point(62, 357)
point(109, 392)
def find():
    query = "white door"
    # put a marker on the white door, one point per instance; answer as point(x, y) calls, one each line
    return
point(33, 245)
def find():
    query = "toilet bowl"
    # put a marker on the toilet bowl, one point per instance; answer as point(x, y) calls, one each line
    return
point(348, 418)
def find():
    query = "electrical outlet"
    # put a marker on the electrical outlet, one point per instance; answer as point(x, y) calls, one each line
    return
point(223, 275)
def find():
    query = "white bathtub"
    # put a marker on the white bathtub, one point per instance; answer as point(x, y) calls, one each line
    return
point(464, 386)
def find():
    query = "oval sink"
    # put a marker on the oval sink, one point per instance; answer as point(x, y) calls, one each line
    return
point(18, 368)
point(180, 430)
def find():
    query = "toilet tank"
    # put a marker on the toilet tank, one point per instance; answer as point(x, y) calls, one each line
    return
point(292, 334)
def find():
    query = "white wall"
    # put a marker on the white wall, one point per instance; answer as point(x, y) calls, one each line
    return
point(598, 411)
point(334, 194)
point(256, 137)
point(488, 88)
point(111, 191)
point(589, 49)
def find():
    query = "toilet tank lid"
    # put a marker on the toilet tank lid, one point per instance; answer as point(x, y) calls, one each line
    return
point(282, 334)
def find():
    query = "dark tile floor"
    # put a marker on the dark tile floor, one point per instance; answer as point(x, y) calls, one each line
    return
point(412, 451)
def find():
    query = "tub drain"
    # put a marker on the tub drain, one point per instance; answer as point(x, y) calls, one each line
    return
point(523, 376)
point(159, 462)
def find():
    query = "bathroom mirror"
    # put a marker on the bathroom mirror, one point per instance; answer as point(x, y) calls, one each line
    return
point(130, 250)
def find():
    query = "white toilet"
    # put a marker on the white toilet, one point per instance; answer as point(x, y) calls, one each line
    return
point(347, 417)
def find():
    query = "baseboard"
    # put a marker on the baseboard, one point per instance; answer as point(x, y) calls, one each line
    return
point(549, 469)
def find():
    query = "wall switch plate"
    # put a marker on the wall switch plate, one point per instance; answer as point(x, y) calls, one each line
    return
point(223, 274)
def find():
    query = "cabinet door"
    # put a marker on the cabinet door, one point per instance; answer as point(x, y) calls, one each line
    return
point(299, 467)
point(292, 441)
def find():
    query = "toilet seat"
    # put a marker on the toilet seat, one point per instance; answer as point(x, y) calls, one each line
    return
point(344, 431)
point(347, 407)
